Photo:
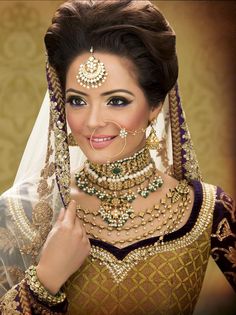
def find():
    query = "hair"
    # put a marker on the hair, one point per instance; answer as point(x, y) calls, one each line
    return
point(133, 29)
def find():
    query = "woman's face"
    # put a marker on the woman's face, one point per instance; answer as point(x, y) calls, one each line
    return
point(96, 115)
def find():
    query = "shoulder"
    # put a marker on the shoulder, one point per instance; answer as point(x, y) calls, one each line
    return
point(225, 203)
point(222, 201)
point(220, 204)
point(224, 220)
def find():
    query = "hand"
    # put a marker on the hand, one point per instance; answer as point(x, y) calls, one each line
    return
point(64, 251)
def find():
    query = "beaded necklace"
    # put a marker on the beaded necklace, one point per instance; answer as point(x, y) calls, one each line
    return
point(118, 184)
point(163, 211)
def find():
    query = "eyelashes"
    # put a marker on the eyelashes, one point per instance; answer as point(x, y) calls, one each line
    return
point(75, 101)
point(118, 101)
point(115, 101)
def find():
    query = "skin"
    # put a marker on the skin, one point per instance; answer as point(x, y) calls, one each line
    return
point(99, 112)
point(95, 113)
point(64, 251)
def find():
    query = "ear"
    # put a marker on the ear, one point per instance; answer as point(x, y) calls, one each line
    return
point(154, 112)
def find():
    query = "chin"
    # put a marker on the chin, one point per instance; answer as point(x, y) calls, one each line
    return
point(98, 158)
point(102, 156)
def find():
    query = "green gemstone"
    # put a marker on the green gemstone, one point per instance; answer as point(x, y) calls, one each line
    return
point(116, 170)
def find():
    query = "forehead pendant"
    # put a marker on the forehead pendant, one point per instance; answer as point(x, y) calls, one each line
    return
point(92, 73)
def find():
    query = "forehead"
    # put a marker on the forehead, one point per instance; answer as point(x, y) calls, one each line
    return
point(120, 71)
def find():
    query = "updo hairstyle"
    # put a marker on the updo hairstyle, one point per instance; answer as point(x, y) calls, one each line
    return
point(127, 28)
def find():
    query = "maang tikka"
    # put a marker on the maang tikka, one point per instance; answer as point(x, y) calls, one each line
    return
point(92, 73)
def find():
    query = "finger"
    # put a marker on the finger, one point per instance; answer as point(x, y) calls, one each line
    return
point(70, 214)
point(61, 215)
point(79, 225)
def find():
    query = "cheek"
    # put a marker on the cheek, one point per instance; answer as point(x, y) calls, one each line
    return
point(74, 121)
point(137, 119)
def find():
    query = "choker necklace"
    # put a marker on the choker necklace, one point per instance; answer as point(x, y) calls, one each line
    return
point(118, 184)
point(124, 167)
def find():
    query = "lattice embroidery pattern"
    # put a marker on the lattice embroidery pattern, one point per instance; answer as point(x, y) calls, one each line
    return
point(173, 286)
point(119, 269)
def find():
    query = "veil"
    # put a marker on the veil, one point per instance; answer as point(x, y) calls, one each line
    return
point(42, 184)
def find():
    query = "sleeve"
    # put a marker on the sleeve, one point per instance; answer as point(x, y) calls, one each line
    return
point(223, 237)
point(20, 300)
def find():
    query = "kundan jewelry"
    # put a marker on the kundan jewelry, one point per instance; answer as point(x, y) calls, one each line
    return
point(111, 183)
point(93, 73)
point(170, 217)
point(39, 290)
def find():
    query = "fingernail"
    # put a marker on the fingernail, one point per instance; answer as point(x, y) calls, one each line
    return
point(73, 202)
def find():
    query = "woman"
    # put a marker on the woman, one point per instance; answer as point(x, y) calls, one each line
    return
point(100, 224)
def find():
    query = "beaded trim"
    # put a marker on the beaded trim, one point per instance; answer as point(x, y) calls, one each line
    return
point(119, 269)
point(21, 220)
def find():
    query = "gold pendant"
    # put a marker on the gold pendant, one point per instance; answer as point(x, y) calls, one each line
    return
point(116, 214)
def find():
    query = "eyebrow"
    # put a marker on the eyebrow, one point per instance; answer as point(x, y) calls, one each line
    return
point(103, 94)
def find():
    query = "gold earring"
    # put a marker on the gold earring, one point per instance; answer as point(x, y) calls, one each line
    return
point(71, 140)
point(152, 141)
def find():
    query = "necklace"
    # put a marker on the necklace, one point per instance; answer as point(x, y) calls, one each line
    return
point(163, 212)
point(124, 167)
point(118, 184)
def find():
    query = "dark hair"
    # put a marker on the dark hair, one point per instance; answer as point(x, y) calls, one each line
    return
point(128, 28)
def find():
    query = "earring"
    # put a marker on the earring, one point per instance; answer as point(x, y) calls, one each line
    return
point(71, 140)
point(152, 141)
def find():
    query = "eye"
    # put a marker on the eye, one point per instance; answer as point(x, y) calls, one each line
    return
point(75, 101)
point(118, 101)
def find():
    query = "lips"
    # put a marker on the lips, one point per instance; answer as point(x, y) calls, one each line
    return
point(101, 141)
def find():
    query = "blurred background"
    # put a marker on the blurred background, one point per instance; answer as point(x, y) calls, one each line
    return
point(206, 46)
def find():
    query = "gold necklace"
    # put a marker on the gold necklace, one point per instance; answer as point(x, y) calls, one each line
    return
point(149, 233)
point(111, 184)
point(124, 167)
point(171, 218)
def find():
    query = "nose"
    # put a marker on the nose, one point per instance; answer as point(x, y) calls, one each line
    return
point(95, 117)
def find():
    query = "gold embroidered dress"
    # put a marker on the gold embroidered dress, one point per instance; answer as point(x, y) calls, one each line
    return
point(154, 274)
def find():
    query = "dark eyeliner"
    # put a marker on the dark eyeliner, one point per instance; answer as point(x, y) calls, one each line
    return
point(119, 98)
point(71, 98)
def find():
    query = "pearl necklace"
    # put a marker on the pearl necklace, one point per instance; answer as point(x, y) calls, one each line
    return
point(113, 189)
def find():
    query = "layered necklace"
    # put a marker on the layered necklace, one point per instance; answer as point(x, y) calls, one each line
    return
point(160, 219)
point(118, 184)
